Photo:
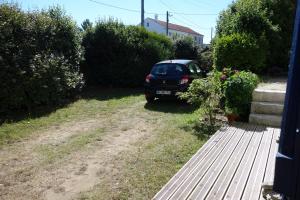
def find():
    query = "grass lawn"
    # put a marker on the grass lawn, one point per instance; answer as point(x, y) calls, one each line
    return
point(93, 103)
point(109, 144)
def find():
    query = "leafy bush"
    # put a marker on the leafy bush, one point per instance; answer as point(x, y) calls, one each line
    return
point(281, 13)
point(39, 57)
point(52, 79)
point(238, 90)
point(185, 49)
point(272, 20)
point(240, 51)
point(229, 90)
point(205, 58)
point(244, 16)
point(120, 55)
point(205, 93)
point(86, 24)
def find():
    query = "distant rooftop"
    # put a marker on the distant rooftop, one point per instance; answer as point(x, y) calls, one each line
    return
point(176, 27)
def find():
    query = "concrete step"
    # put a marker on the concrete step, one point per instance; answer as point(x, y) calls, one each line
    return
point(267, 120)
point(262, 95)
point(267, 108)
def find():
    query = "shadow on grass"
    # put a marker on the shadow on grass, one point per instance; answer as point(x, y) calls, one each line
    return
point(202, 129)
point(18, 115)
point(98, 93)
point(103, 94)
point(170, 106)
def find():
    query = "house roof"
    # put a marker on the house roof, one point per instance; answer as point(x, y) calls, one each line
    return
point(176, 27)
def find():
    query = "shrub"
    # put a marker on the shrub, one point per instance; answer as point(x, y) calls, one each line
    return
point(185, 49)
point(86, 24)
point(238, 90)
point(241, 52)
point(120, 55)
point(262, 18)
point(53, 79)
point(39, 57)
point(205, 58)
point(205, 93)
point(244, 16)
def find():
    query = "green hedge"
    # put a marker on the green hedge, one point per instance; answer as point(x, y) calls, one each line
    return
point(241, 52)
point(39, 57)
point(205, 58)
point(271, 19)
point(119, 55)
point(238, 90)
point(186, 49)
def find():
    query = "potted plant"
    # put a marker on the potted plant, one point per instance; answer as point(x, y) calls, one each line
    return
point(231, 114)
point(238, 91)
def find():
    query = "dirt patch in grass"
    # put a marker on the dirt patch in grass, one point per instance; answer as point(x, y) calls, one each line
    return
point(101, 164)
point(151, 162)
point(120, 148)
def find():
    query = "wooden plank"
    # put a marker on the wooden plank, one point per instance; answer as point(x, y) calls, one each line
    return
point(218, 147)
point(231, 165)
point(269, 174)
point(224, 179)
point(235, 190)
point(208, 180)
point(191, 182)
point(182, 174)
point(252, 190)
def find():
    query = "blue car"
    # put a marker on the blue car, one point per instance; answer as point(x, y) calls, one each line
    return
point(171, 76)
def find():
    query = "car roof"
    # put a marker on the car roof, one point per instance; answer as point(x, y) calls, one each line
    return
point(176, 61)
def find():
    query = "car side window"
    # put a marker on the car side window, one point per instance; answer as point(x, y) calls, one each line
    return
point(198, 69)
point(192, 68)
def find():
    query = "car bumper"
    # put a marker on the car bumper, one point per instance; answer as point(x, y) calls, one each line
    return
point(152, 91)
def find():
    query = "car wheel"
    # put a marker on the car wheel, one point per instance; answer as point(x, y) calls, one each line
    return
point(150, 99)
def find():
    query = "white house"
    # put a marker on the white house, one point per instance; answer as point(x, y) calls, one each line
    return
point(175, 31)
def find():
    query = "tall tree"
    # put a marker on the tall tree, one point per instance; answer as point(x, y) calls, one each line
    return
point(272, 19)
point(86, 24)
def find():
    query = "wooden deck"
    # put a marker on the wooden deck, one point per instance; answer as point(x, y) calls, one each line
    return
point(233, 164)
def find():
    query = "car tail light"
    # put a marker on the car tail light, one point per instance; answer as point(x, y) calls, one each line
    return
point(148, 78)
point(184, 80)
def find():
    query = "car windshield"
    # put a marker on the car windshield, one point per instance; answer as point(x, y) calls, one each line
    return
point(167, 69)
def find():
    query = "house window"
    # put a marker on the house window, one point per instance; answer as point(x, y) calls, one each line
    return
point(147, 24)
point(170, 34)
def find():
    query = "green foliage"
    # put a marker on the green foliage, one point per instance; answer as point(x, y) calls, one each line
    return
point(240, 51)
point(238, 90)
point(53, 79)
point(205, 58)
point(281, 13)
point(206, 94)
point(268, 19)
point(39, 57)
point(244, 16)
point(86, 24)
point(229, 90)
point(186, 49)
point(120, 55)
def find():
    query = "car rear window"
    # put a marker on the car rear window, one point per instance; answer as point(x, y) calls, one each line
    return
point(168, 69)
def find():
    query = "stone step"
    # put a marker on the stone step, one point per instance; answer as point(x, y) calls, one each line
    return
point(267, 120)
point(262, 95)
point(267, 108)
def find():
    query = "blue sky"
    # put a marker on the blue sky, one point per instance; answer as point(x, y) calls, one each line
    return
point(83, 9)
